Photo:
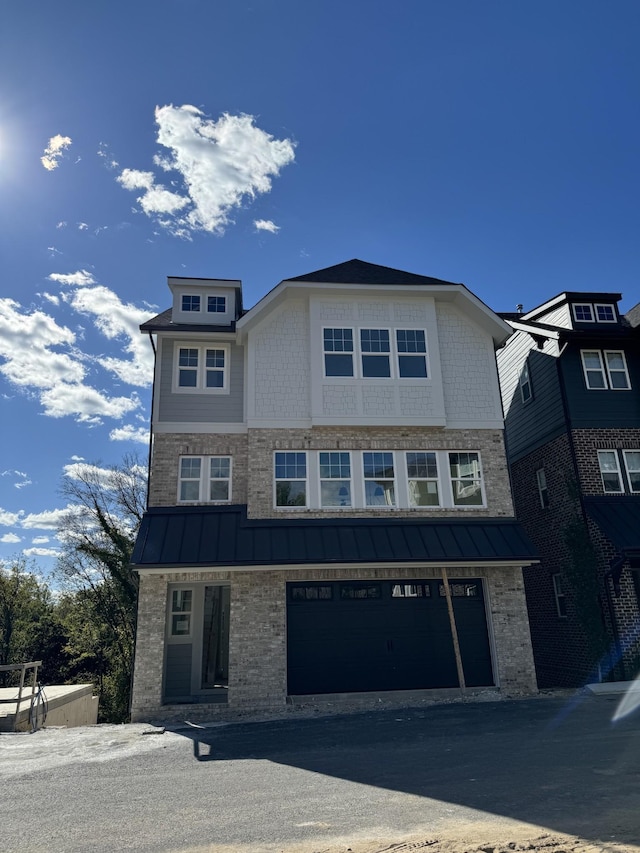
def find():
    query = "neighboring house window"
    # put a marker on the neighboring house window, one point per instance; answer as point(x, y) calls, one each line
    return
point(181, 605)
point(190, 302)
point(610, 471)
point(605, 314)
point(379, 479)
point(206, 479)
point(216, 304)
point(606, 369)
point(560, 597)
point(335, 479)
point(202, 368)
point(422, 478)
point(542, 488)
point(338, 352)
point(412, 349)
point(375, 349)
point(632, 466)
point(291, 479)
point(466, 479)
point(525, 384)
point(583, 313)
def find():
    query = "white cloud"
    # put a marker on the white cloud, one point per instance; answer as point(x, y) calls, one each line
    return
point(82, 226)
point(130, 433)
point(220, 163)
point(51, 297)
point(8, 519)
point(88, 404)
point(266, 225)
point(53, 251)
point(61, 224)
point(25, 482)
point(40, 552)
point(10, 539)
point(78, 458)
point(81, 278)
point(54, 151)
point(46, 520)
point(103, 151)
point(39, 540)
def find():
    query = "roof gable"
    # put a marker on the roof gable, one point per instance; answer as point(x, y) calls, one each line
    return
point(356, 271)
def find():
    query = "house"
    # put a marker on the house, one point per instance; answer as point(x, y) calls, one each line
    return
point(570, 377)
point(329, 508)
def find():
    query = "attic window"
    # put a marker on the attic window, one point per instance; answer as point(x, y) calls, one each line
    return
point(583, 313)
point(605, 314)
point(190, 302)
point(216, 304)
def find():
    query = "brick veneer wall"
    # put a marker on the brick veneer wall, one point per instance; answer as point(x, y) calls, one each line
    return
point(257, 635)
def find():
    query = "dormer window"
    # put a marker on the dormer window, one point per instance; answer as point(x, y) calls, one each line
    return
point(583, 313)
point(605, 314)
point(216, 304)
point(190, 302)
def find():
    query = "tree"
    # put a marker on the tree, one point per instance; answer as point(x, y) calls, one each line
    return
point(98, 534)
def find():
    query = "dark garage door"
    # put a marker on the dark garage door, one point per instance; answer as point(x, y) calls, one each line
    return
point(354, 636)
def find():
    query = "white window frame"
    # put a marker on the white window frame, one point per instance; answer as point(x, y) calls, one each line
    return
point(209, 296)
point(305, 480)
point(357, 354)
point(624, 369)
point(607, 491)
point(587, 370)
point(197, 296)
point(525, 382)
point(607, 305)
point(200, 369)
point(366, 480)
point(204, 479)
point(559, 595)
point(341, 479)
point(588, 305)
point(479, 478)
point(435, 479)
point(629, 471)
point(543, 489)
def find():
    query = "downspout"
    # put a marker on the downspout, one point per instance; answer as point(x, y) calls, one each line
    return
point(583, 513)
point(153, 394)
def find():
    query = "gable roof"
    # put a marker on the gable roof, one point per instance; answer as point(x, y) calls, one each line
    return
point(174, 537)
point(356, 271)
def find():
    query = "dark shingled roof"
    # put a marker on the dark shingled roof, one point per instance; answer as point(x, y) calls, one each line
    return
point(619, 520)
point(163, 323)
point(361, 272)
point(171, 537)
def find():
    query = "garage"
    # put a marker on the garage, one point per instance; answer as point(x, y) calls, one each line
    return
point(361, 636)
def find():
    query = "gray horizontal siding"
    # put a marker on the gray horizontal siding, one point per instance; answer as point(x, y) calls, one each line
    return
point(177, 675)
point(528, 425)
point(200, 408)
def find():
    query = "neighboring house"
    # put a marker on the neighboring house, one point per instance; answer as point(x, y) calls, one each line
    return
point(570, 379)
point(320, 464)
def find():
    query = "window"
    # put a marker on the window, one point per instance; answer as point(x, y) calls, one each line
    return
point(610, 471)
point(542, 488)
point(335, 479)
point(311, 592)
point(360, 591)
point(375, 348)
point(410, 590)
point(632, 467)
point(190, 302)
point(379, 479)
point(205, 478)
point(560, 597)
point(181, 604)
point(202, 368)
point(291, 479)
point(466, 479)
point(338, 352)
point(583, 313)
point(412, 348)
point(605, 313)
point(606, 369)
point(422, 478)
point(216, 304)
point(525, 384)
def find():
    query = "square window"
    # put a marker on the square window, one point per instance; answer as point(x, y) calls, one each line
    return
point(605, 313)
point(190, 302)
point(379, 479)
point(583, 313)
point(290, 479)
point(201, 368)
point(610, 471)
point(216, 304)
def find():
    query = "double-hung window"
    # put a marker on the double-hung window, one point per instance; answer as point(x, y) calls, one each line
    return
point(202, 368)
point(632, 467)
point(379, 479)
point(466, 479)
point(543, 491)
point(375, 351)
point(525, 384)
point(206, 479)
point(335, 478)
point(422, 478)
point(338, 352)
point(291, 479)
point(412, 353)
point(610, 472)
point(605, 370)
point(380, 353)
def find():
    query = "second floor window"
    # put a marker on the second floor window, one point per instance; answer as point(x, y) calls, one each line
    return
point(610, 471)
point(201, 368)
point(291, 479)
point(375, 353)
point(204, 479)
point(605, 369)
point(525, 384)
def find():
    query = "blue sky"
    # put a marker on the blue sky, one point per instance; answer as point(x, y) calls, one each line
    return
point(493, 143)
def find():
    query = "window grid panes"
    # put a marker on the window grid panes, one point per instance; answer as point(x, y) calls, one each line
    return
point(632, 466)
point(583, 313)
point(181, 604)
point(190, 302)
point(291, 479)
point(412, 348)
point(610, 471)
point(422, 478)
point(216, 304)
point(375, 348)
point(187, 367)
point(605, 314)
point(190, 469)
point(617, 370)
point(219, 478)
point(214, 368)
point(466, 479)
point(335, 479)
point(593, 369)
point(379, 479)
point(338, 352)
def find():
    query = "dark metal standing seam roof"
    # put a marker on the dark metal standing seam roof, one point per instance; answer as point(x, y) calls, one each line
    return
point(619, 520)
point(224, 536)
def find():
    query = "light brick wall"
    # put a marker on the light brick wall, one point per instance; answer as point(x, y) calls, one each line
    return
point(257, 635)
